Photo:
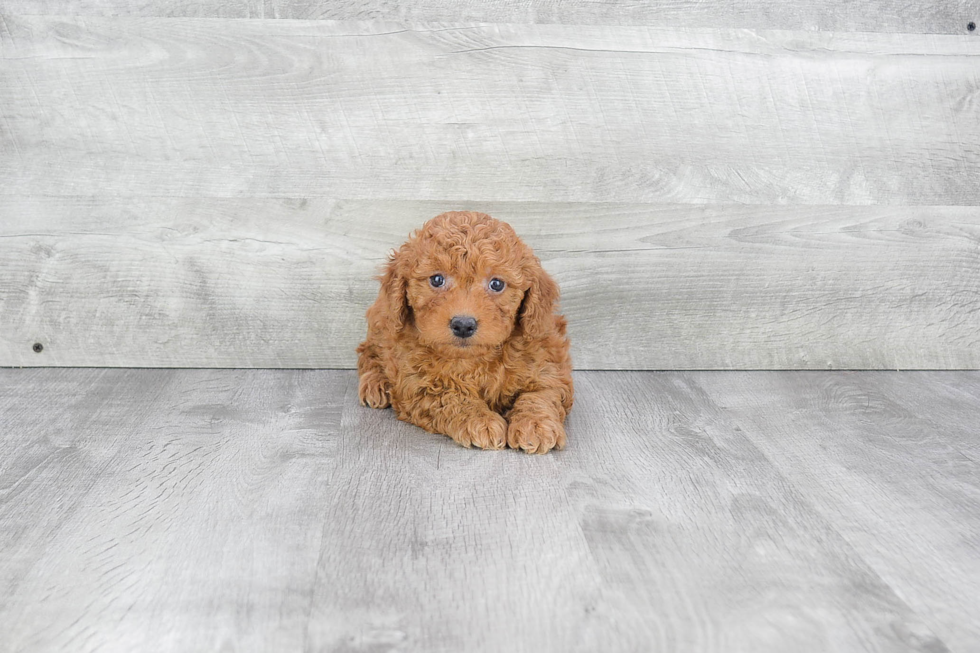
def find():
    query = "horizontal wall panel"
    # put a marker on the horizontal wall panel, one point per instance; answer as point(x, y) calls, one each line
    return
point(531, 113)
point(285, 282)
point(948, 17)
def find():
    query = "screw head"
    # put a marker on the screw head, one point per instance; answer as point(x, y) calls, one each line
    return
point(38, 348)
point(971, 26)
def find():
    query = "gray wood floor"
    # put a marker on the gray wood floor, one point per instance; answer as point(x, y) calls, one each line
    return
point(205, 510)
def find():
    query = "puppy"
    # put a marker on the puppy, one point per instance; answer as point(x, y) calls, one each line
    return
point(463, 338)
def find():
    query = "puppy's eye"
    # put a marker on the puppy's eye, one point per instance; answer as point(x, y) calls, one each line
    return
point(497, 285)
point(437, 281)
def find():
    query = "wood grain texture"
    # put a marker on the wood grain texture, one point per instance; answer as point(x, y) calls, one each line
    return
point(895, 474)
point(176, 510)
point(549, 113)
point(440, 548)
point(213, 192)
point(161, 510)
point(680, 509)
point(937, 399)
point(285, 283)
point(949, 17)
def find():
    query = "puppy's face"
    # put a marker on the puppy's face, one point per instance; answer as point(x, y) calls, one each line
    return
point(466, 284)
point(471, 307)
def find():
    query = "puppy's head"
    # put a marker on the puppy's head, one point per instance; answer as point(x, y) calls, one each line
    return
point(466, 282)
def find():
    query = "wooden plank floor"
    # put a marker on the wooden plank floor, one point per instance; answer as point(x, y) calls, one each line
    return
point(205, 510)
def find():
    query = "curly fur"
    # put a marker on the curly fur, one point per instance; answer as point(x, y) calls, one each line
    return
point(511, 382)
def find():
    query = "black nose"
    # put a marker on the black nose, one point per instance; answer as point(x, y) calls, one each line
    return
point(463, 327)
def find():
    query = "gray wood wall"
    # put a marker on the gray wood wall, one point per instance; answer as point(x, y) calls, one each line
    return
point(714, 185)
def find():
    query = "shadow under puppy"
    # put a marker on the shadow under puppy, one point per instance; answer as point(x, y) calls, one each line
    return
point(464, 340)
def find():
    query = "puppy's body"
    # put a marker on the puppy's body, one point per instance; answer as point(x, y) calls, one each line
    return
point(463, 339)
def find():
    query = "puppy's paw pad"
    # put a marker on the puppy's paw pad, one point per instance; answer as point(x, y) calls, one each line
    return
point(535, 433)
point(485, 431)
point(372, 390)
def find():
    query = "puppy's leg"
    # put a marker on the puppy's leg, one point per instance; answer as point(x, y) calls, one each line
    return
point(479, 426)
point(372, 387)
point(467, 420)
point(535, 422)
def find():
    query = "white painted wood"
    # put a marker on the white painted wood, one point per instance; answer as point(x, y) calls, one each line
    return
point(948, 17)
point(369, 110)
point(285, 283)
point(177, 510)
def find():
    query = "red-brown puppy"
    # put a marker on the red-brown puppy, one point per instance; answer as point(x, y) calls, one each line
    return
point(464, 340)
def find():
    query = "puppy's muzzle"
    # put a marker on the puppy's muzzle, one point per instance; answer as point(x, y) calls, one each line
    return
point(463, 326)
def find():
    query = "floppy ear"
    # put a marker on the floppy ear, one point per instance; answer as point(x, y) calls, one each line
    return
point(538, 308)
point(394, 289)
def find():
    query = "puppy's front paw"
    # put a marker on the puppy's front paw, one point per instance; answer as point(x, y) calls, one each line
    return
point(486, 431)
point(372, 389)
point(535, 433)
